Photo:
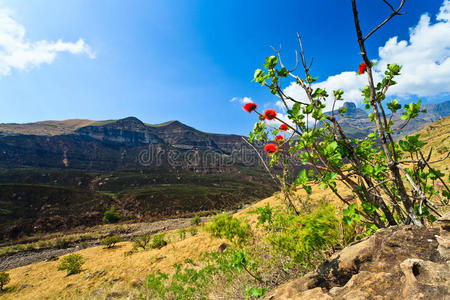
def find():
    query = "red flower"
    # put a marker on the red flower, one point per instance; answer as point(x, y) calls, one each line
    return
point(261, 117)
point(271, 148)
point(249, 107)
point(270, 114)
point(362, 68)
point(279, 138)
point(283, 127)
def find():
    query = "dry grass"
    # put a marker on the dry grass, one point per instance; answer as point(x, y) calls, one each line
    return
point(48, 283)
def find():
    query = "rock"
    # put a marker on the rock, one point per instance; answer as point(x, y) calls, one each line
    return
point(425, 279)
point(52, 258)
point(444, 238)
point(24, 286)
point(136, 282)
point(89, 275)
point(115, 280)
point(394, 263)
point(222, 247)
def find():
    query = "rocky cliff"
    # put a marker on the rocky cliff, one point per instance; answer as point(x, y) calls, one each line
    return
point(395, 263)
point(119, 144)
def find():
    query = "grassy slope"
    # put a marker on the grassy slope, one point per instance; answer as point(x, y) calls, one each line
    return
point(46, 127)
point(49, 283)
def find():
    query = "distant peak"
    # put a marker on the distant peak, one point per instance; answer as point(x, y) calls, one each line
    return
point(130, 120)
point(168, 123)
point(349, 105)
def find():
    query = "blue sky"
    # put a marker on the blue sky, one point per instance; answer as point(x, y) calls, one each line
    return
point(162, 60)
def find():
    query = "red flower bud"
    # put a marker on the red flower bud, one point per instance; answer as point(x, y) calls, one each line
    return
point(362, 68)
point(283, 127)
point(279, 138)
point(271, 148)
point(249, 107)
point(270, 114)
point(261, 117)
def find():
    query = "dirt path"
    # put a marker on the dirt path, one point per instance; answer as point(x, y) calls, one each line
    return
point(28, 257)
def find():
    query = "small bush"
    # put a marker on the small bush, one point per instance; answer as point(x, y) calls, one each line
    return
point(233, 229)
point(62, 243)
point(158, 241)
point(4, 280)
point(142, 241)
point(182, 233)
point(42, 244)
point(72, 263)
point(193, 230)
point(111, 241)
point(30, 247)
point(185, 283)
point(85, 237)
point(304, 238)
point(195, 221)
point(111, 216)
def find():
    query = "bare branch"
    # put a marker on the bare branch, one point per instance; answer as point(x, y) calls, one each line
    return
point(394, 13)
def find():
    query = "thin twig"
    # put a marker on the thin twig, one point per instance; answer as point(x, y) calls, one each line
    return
point(394, 13)
point(262, 160)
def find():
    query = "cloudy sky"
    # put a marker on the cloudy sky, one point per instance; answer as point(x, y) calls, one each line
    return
point(193, 60)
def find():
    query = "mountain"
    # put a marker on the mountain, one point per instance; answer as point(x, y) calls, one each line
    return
point(56, 175)
point(116, 144)
point(356, 123)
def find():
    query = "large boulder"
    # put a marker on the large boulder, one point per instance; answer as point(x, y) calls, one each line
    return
point(406, 262)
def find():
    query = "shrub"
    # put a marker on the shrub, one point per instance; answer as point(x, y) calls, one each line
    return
point(111, 241)
point(30, 247)
point(142, 241)
point(62, 243)
point(4, 279)
point(42, 244)
point(182, 233)
point(193, 230)
point(233, 229)
point(378, 170)
point(195, 221)
point(72, 263)
point(303, 238)
point(185, 283)
point(111, 216)
point(158, 241)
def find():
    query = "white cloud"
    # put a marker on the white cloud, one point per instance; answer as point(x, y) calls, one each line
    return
point(425, 59)
point(242, 100)
point(17, 52)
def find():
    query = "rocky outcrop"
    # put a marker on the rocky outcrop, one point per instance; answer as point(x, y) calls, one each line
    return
point(405, 262)
point(356, 123)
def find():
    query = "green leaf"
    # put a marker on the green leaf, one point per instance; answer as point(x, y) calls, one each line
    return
point(394, 106)
point(343, 110)
point(302, 177)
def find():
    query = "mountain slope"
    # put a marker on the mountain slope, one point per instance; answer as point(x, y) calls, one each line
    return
point(356, 123)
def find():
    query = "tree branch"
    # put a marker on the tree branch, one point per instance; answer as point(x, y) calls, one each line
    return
point(394, 13)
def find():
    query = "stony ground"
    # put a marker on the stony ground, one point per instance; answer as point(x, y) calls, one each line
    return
point(28, 257)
